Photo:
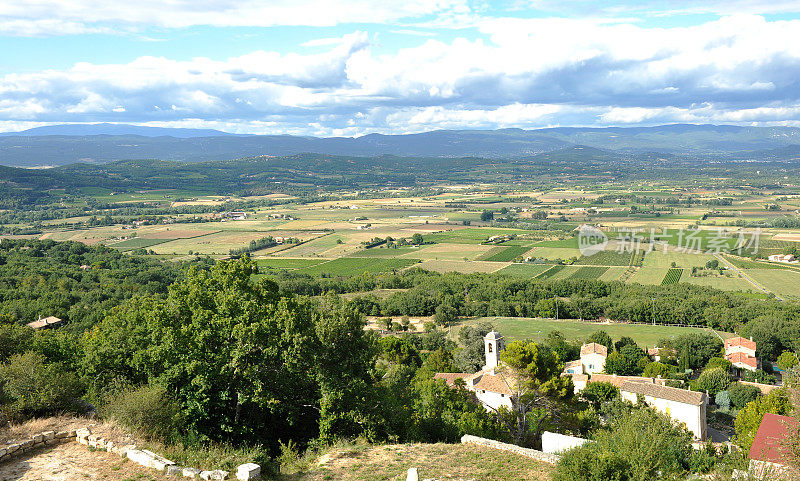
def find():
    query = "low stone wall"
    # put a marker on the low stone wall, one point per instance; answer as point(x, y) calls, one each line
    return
point(530, 453)
point(47, 438)
point(149, 459)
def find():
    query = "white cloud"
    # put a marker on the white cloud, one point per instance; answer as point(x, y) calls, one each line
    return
point(525, 73)
point(23, 17)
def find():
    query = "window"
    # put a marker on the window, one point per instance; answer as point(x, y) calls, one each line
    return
point(490, 347)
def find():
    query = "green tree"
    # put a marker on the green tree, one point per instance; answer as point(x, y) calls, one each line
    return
point(487, 215)
point(534, 375)
point(599, 393)
point(602, 338)
point(29, 386)
point(787, 360)
point(749, 418)
point(417, 239)
point(656, 369)
point(741, 394)
point(713, 381)
point(718, 363)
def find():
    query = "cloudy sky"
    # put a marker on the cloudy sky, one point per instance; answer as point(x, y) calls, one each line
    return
point(351, 67)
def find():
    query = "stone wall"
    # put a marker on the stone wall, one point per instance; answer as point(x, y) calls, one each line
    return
point(558, 443)
point(47, 438)
point(530, 453)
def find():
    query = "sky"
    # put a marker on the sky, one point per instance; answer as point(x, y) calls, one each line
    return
point(354, 67)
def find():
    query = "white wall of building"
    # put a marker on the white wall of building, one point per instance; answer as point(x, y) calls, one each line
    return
point(694, 417)
point(493, 400)
point(557, 443)
point(593, 363)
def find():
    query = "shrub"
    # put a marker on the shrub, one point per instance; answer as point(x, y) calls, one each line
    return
point(599, 393)
point(718, 363)
point(723, 399)
point(655, 369)
point(787, 360)
point(31, 387)
point(713, 381)
point(741, 394)
point(760, 376)
point(147, 410)
point(641, 445)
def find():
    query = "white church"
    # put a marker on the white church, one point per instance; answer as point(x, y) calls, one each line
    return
point(491, 388)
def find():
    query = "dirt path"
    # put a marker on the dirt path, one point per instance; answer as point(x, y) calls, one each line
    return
point(72, 461)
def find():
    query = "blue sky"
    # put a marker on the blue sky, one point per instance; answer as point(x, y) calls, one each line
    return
point(352, 67)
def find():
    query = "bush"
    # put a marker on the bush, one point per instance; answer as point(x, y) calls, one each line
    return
point(655, 369)
point(642, 445)
point(723, 400)
point(760, 376)
point(749, 418)
point(713, 381)
point(787, 360)
point(147, 410)
point(31, 387)
point(741, 394)
point(599, 393)
point(718, 363)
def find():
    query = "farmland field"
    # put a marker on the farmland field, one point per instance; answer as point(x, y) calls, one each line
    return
point(720, 282)
point(658, 258)
point(592, 272)
point(673, 276)
point(514, 328)
point(506, 254)
point(525, 270)
point(607, 258)
point(550, 272)
point(287, 263)
point(649, 275)
point(350, 266)
point(136, 243)
point(781, 282)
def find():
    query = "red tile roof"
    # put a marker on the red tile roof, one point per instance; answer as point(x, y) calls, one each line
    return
point(742, 358)
point(594, 348)
point(450, 377)
point(618, 380)
point(683, 396)
point(769, 443)
point(740, 341)
point(492, 383)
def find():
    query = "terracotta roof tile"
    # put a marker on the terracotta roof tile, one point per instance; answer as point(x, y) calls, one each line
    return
point(618, 380)
point(768, 444)
point(740, 341)
point(594, 348)
point(492, 383)
point(663, 392)
point(450, 377)
point(742, 358)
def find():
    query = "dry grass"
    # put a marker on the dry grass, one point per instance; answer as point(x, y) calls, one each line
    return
point(437, 461)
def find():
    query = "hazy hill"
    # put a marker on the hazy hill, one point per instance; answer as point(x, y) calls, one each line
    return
point(39, 147)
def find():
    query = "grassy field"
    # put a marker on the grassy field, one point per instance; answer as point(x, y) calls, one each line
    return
point(721, 283)
point(591, 272)
point(506, 254)
point(434, 461)
point(136, 243)
point(665, 259)
point(606, 258)
point(613, 273)
point(782, 282)
point(554, 252)
point(513, 328)
point(350, 266)
point(525, 270)
point(461, 266)
point(470, 236)
point(649, 275)
point(286, 263)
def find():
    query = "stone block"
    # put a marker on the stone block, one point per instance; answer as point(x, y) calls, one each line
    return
point(72, 433)
point(139, 457)
point(412, 475)
point(63, 435)
point(26, 445)
point(248, 471)
point(3, 451)
point(12, 448)
point(38, 438)
point(215, 475)
point(191, 472)
point(173, 470)
point(83, 432)
point(49, 435)
point(110, 446)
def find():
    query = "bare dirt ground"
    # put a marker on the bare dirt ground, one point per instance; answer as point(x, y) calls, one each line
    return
point(69, 461)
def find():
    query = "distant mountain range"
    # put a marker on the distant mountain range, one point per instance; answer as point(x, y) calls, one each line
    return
point(102, 143)
point(115, 129)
